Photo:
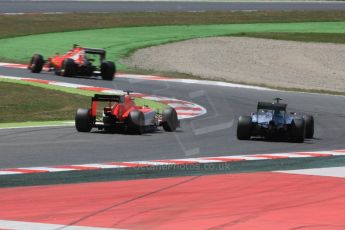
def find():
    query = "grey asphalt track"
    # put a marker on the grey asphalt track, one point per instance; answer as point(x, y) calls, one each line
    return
point(99, 6)
point(213, 134)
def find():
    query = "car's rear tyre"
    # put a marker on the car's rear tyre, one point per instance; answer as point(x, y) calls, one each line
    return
point(298, 130)
point(169, 119)
point(83, 120)
point(108, 70)
point(244, 128)
point(309, 126)
point(36, 63)
point(68, 68)
point(136, 122)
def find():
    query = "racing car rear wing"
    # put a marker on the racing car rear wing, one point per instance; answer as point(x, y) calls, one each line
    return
point(271, 106)
point(106, 98)
point(100, 52)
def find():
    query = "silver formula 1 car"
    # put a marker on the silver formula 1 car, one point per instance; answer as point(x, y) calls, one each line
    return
point(271, 120)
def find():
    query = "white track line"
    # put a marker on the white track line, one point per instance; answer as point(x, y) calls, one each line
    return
point(331, 171)
point(192, 81)
point(21, 225)
point(8, 173)
point(38, 126)
point(151, 163)
point(198, 160)
point(49, 169)
point(100, 166)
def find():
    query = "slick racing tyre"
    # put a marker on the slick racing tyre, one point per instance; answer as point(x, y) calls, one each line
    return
point(169, 120)
point(36, 63)
point(244, 128)
point(136, 122)
point(108, 70)
point(298, 130)
point(309, 126)
point(83, 120)
point(68, 68)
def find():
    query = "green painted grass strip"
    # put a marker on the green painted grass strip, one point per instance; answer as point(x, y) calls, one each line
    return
point(120, 42)
point(35, 124)
point(51, 87)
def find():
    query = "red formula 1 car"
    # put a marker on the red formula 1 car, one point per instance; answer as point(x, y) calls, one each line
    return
point(121, 113)
point(78, 61)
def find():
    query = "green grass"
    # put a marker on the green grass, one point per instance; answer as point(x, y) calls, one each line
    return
point(20, 103)
point(159, 107)
point(49, 87)
point(35, 123)
point(19, 25)
point(28, 101)
point(119, 42)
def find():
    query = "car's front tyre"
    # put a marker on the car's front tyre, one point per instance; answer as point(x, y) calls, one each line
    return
point(36, 63)
point(68, 68)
